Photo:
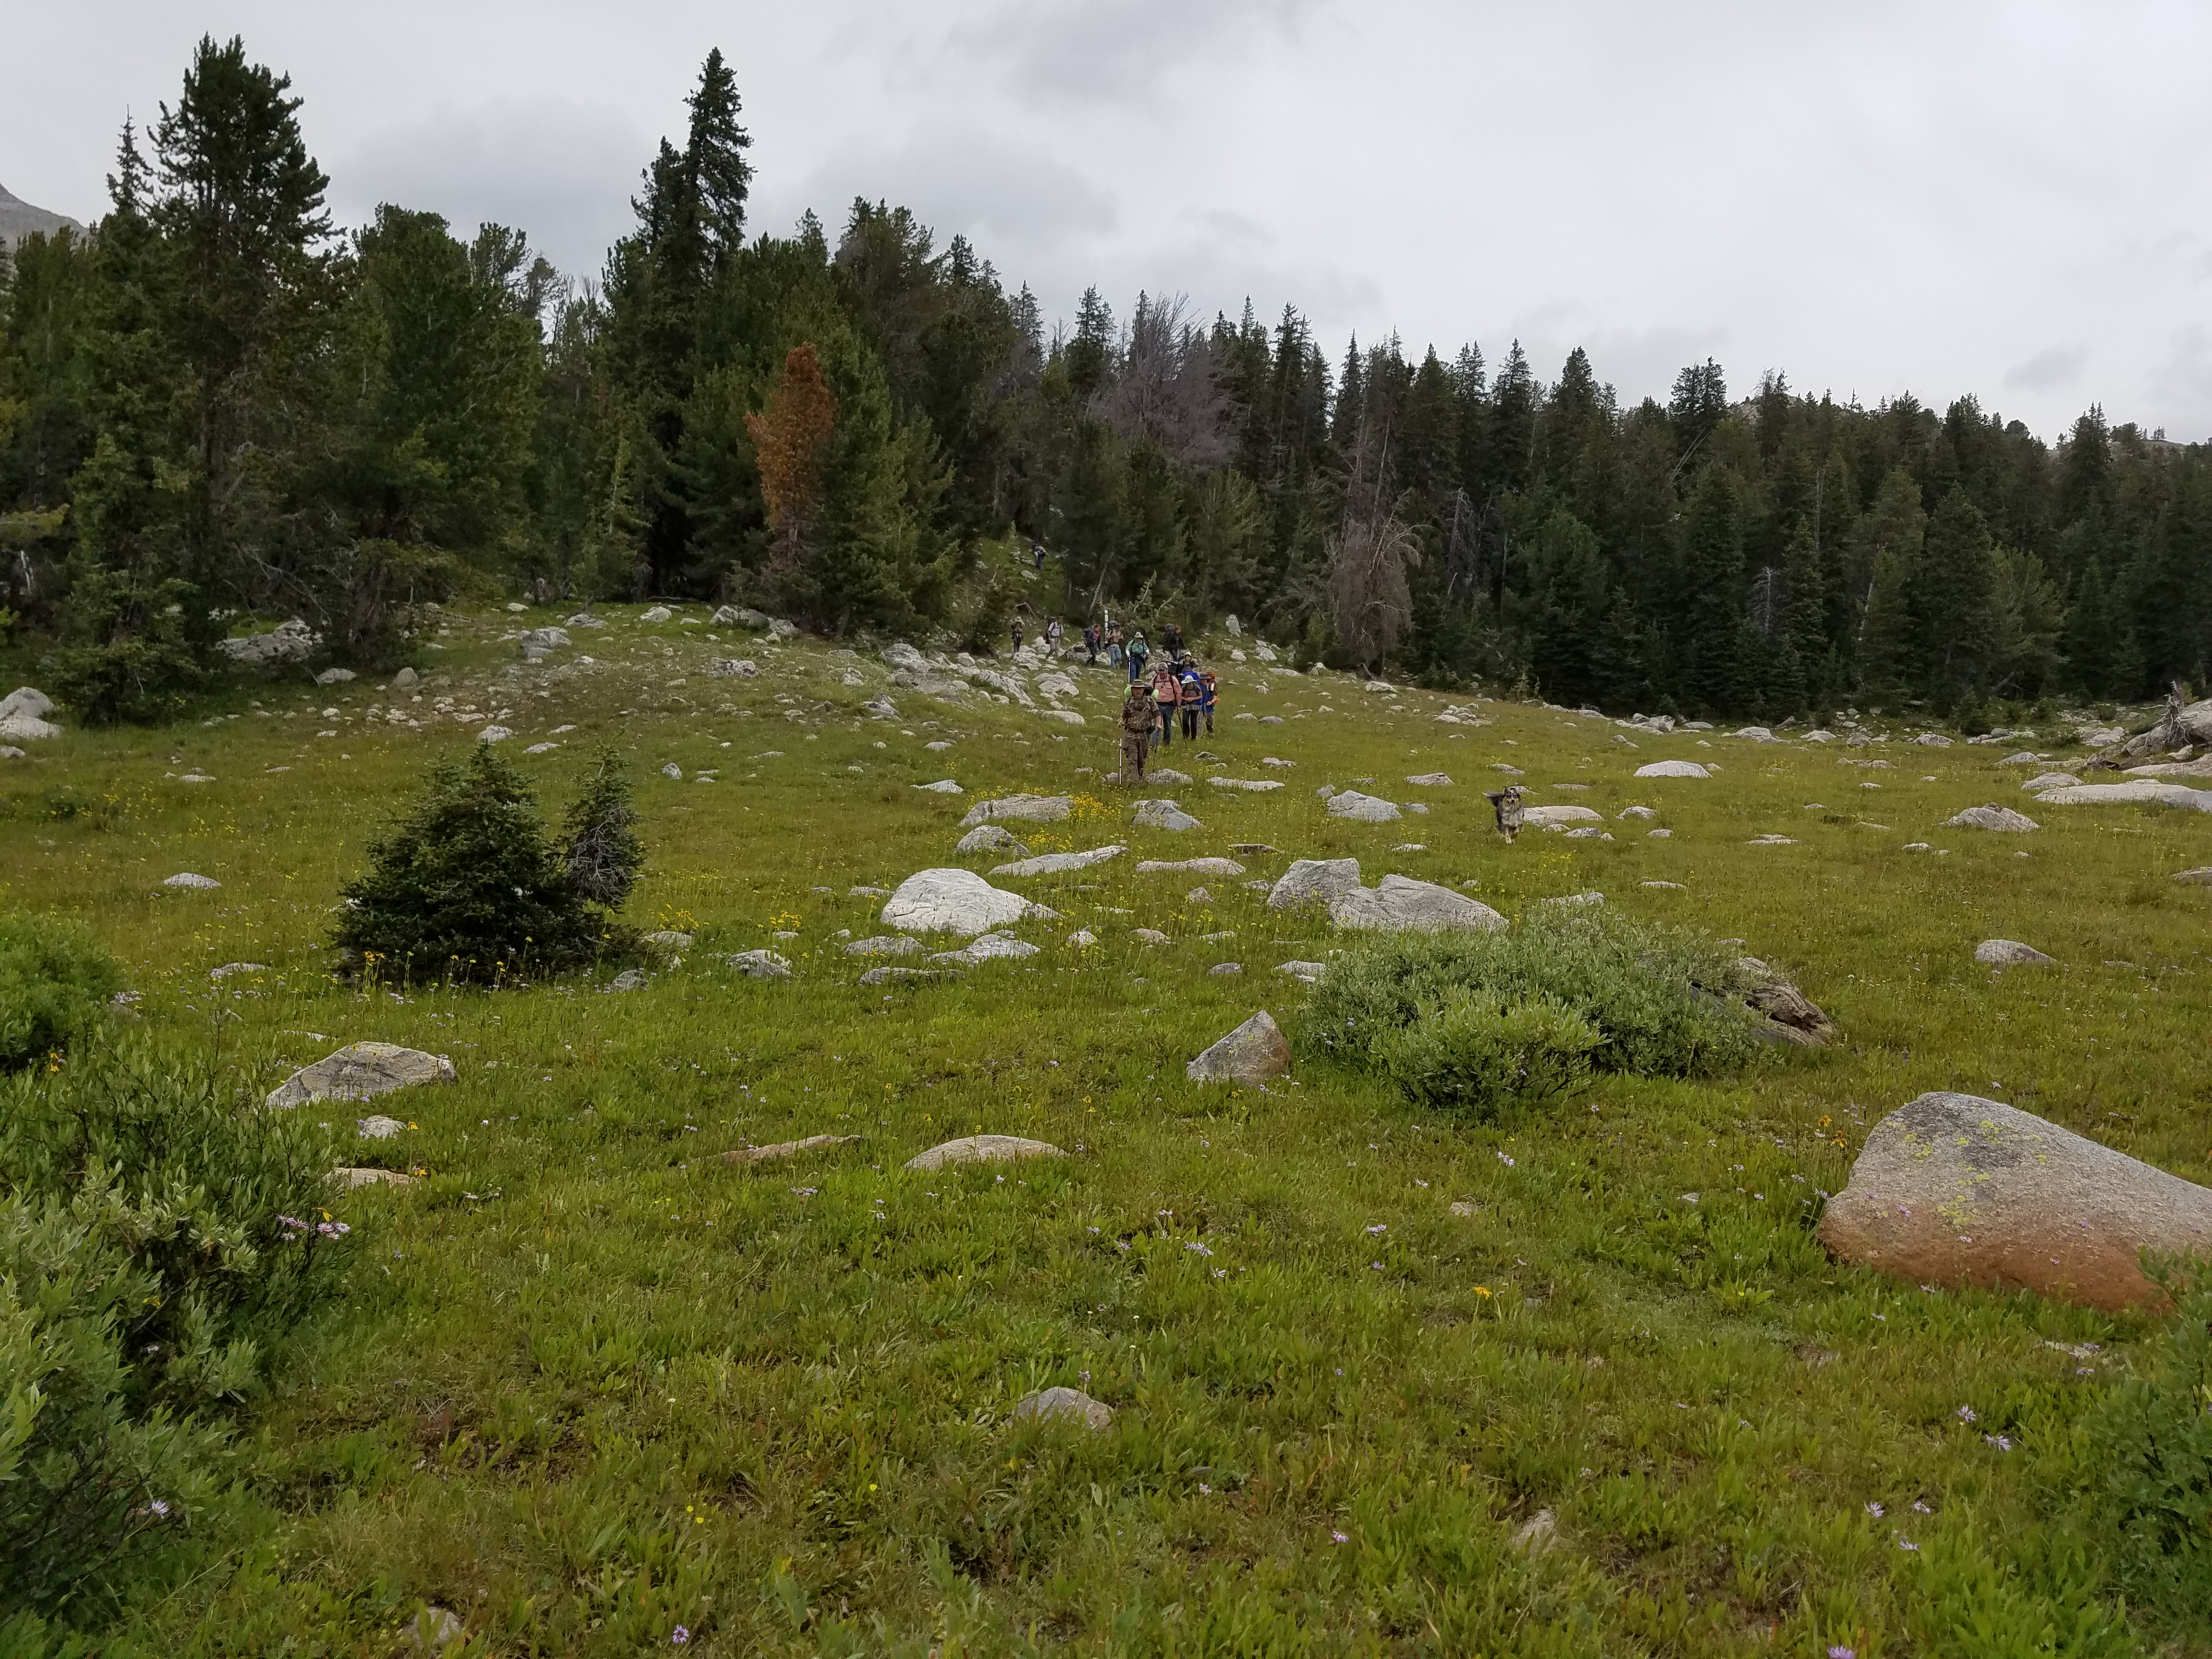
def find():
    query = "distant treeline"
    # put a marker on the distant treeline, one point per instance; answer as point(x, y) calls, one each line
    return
point(217, 402)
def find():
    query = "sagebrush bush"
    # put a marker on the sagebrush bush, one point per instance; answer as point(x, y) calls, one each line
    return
point(55, 978)
point(2151, 1437)
point(1477, 1021)
point(469, 887)
point(161, 1240)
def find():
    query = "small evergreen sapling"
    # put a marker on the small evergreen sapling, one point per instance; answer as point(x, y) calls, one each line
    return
point(468, 886)
point(603, 854)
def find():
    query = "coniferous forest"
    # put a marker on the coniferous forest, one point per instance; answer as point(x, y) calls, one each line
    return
point(221, 406)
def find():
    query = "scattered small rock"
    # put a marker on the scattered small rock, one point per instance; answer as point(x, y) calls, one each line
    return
point(989, 838)
point(186, 878)
point(982, 1149)
point(784, 1149)
point(896, 975)
point(986, 947)
point(1253, 1053)
point(1309, 972)
point(1022, 809)
point(1535, 1535)
point(1162, 815)
point(1361, 809)
point(760, 965)
point(380, 1127)
point(1059, 864)
point(1672, 768)
point(353, 1180)
point(1070, 1403)
point(883, 944)
point(1992, 817)
point(2010, 953)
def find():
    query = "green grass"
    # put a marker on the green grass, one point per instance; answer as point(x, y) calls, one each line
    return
point(590, 1383)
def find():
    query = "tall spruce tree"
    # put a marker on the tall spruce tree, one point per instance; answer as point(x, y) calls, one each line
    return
point(690, 225)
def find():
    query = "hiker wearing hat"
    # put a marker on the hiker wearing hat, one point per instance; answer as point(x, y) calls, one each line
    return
point(1138, 715)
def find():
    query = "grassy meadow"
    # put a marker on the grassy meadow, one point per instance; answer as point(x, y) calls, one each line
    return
point(591, 1385)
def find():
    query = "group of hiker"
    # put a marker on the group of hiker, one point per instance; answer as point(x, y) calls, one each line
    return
point(1179, 695)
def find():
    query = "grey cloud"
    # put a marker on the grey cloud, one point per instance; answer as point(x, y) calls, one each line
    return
point(1110, 50)
point(2048, 369)
point(2184, 384)
point(562, 170)
point(1014, 202)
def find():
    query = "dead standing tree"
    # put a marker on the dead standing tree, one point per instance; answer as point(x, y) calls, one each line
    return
point(1369, 555)
point(1165, 386)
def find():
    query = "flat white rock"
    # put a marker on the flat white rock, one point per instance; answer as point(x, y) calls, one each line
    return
point(1194, 866)
point(1672, 768)
point(359, 1071)
point(942, 786)
point(2137, 790)
point(1162, 815)
point(2010, 953)
point(1361, 809)
point(1019, 809)
point(1993, 817)
point(1059, 864)
point(955, 901)
point(986, 947)
point(982, 1149)
point(1402, 904)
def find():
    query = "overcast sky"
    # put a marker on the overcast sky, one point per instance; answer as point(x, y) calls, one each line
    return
point(2008, 199)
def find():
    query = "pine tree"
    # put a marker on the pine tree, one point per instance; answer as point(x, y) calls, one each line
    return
point(1700, 400)
point(1951, 592)
point(691, 225)
point(1091, 352)
point(243, 294)
point(1712, 572)
point(1804, 641)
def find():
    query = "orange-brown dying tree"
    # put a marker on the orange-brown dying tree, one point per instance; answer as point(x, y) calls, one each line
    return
point(788, 440)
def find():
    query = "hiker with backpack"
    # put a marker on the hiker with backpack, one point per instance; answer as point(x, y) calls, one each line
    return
point(1190, 696)
point(1138, 718)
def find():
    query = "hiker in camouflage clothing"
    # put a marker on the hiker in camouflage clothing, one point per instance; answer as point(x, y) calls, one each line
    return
point(1511, 813)
point(1139, 714)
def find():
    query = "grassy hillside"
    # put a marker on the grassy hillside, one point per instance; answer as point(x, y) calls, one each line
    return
point(592, 1383)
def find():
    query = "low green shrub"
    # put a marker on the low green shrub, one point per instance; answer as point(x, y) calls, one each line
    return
point(55, 978)
point(1476, 1022)
point(469, 887)
point(162, 1241)
point(2152, 1438)
point(1474, 1048)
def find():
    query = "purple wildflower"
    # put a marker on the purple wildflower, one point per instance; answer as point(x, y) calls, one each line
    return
point(679, 1636)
